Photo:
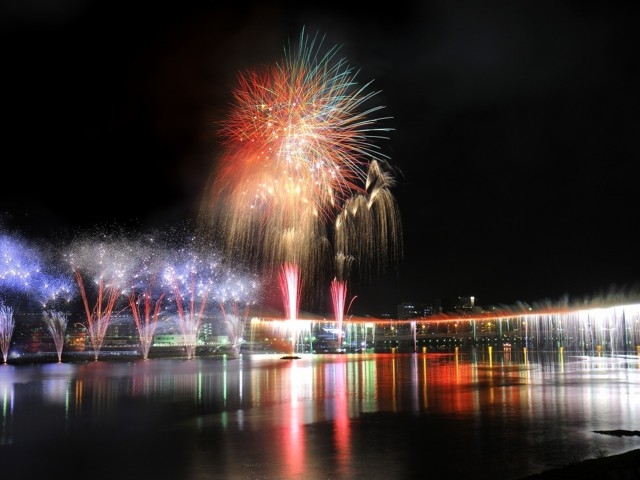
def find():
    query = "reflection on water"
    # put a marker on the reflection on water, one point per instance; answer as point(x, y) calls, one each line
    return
point(506, 414)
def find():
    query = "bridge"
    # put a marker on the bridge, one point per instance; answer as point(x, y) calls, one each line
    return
point(588, 329)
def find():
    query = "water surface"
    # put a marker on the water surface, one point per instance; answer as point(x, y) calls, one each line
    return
point(334, 416)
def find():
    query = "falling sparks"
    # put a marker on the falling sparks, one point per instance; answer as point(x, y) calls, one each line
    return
point(102, 266)
point(299, 150)
point(19, 264)
point(56, 323)
point(192, 278)
point(7, 324)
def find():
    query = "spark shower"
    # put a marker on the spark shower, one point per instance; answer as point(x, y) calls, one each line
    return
point(302, 190)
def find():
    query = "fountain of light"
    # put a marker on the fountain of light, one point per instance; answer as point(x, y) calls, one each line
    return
point(596, 330)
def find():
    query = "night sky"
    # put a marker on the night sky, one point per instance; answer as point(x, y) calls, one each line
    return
point(515, 129)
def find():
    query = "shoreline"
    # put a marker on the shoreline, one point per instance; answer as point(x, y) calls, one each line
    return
point(622, 466)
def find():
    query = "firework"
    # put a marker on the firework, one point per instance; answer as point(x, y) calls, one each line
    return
point(7, 324)
point(56, 323)
point(108, 263)
point(54, 290)
point(338, 299)
point(299, 147)
point(192, 278)
point(148, 291)
point(19, 265)
point(145, 297)
point(19, 271)
point(235, 295)
point(290, 288)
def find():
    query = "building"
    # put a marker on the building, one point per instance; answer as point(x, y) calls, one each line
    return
point(407, 310)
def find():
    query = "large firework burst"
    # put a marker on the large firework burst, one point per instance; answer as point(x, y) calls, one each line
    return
point(299, 148)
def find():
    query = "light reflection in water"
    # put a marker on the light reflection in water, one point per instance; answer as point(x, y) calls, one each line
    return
point(278, 409)
point(293, 439)
point(7, 397)
point(341, 423)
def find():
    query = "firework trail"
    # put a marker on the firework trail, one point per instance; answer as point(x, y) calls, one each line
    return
point(338, 300)
point(146, 311)
point(7, 324)
point(56, 323)
point(146, 296)
point(290, 287)
point(235, 295)
point(192, 278)
point(299, 163)
point(102, 266)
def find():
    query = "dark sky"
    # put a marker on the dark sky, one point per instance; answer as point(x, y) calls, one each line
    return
point(516, 128)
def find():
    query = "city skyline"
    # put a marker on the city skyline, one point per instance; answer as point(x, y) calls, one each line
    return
point(513, 132)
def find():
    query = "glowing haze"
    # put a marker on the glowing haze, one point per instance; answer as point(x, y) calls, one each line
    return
point(301, 180)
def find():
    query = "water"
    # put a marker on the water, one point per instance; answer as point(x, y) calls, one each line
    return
point(351, 416)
